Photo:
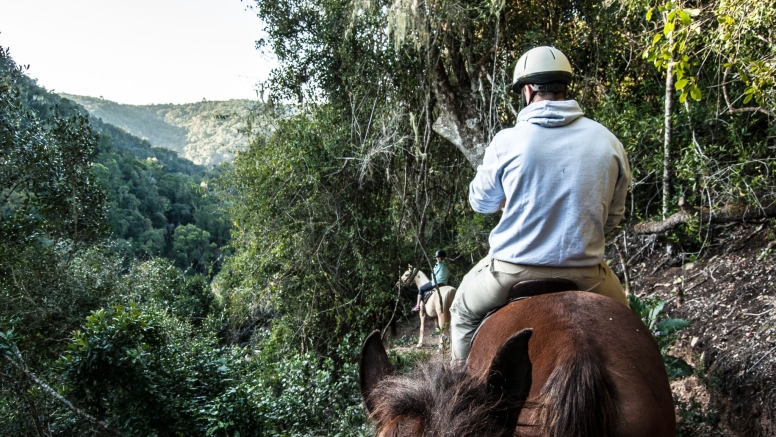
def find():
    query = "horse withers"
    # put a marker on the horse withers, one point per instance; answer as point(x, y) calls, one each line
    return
point(437, 306)
point(568, 364)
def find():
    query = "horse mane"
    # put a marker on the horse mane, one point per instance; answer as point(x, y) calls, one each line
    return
point(439, 399)
point(580, 397)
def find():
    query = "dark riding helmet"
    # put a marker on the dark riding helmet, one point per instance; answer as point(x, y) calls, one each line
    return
point(440, 254)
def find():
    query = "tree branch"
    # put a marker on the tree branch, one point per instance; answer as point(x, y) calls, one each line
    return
point(727, 214)
point(731, 110)
point(623, 261)
point(53, 393)
point(458, 121)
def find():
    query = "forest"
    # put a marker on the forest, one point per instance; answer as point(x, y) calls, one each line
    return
point(144, 295)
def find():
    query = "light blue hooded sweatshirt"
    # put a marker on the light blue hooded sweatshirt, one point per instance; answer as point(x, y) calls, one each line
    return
point(564, 177)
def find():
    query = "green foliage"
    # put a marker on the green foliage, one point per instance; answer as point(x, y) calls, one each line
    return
point(52, 209)
point(693, 416)
point(651, 311)
point(159, 282)
point(316, 246)
point(147, 204)
point(47, 188)
point(142, 370)
point(151, 375)
point(192, 247)
point(672, 47)
point(409, 360)
point(740, 38)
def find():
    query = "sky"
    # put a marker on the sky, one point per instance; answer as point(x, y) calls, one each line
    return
point(138, 51)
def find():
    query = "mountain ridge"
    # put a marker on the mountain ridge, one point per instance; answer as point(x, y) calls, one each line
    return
point(206, 133)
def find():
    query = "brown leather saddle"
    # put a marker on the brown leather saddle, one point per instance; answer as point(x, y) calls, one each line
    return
point(530, 288)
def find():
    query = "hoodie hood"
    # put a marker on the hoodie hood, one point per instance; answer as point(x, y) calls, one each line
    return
point(551, 113)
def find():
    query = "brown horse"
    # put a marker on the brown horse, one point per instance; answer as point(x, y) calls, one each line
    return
point(568, 364)
point(437, 306)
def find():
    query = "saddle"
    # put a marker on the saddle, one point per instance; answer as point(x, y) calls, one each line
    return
point(535, 287)
point(526, 289)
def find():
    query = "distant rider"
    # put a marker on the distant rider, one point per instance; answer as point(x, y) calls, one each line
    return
point(561, 180)
point(439, 277)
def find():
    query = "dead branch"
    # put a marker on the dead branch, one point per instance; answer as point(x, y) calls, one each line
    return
point(727, 214)
point(53, 393)
point(732, 110)
point(623, 261)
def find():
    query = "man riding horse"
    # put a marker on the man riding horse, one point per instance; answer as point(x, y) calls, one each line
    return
point(561, 180)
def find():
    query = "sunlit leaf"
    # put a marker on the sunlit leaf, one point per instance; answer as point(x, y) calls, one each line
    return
point(692, 12)
point(684, 17)
point(695, 93)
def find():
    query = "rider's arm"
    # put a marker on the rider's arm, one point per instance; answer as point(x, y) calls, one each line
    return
point(617, 207)
point(486, 195)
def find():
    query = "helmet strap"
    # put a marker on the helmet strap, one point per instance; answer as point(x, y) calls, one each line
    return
point(555, 87)
point(537, 88)
point(525, 99)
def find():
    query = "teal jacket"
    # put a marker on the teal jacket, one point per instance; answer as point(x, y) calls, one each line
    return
point(441, 274)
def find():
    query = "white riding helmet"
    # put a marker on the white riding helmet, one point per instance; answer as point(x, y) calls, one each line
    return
point(542, 65)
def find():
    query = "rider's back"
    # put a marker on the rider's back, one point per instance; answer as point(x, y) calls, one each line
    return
point(560, 173)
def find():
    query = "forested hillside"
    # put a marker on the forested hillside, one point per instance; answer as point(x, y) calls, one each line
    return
point(150, 191)
point(394, 104)
point(207, 133)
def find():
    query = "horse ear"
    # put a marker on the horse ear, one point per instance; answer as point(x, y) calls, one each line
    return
point(510, 371)
point(373, 366)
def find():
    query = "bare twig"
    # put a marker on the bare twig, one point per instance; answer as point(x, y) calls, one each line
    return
point(731, 110)
point(740, 243)
point(623, 265)
point(395, 307)
point(19, 364)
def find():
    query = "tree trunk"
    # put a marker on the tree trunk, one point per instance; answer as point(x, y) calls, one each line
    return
point(459, 119)
point(669, 109)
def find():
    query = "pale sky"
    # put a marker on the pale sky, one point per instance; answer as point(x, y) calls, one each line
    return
point(138, 51)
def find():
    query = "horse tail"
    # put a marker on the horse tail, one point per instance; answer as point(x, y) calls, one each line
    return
point(579, 398)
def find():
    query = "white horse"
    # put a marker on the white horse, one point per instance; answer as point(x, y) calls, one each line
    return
point(437, 306)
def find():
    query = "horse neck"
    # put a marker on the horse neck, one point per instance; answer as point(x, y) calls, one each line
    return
point(421, 279)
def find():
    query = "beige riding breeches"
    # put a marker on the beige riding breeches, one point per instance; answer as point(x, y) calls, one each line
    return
point(487, 286)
